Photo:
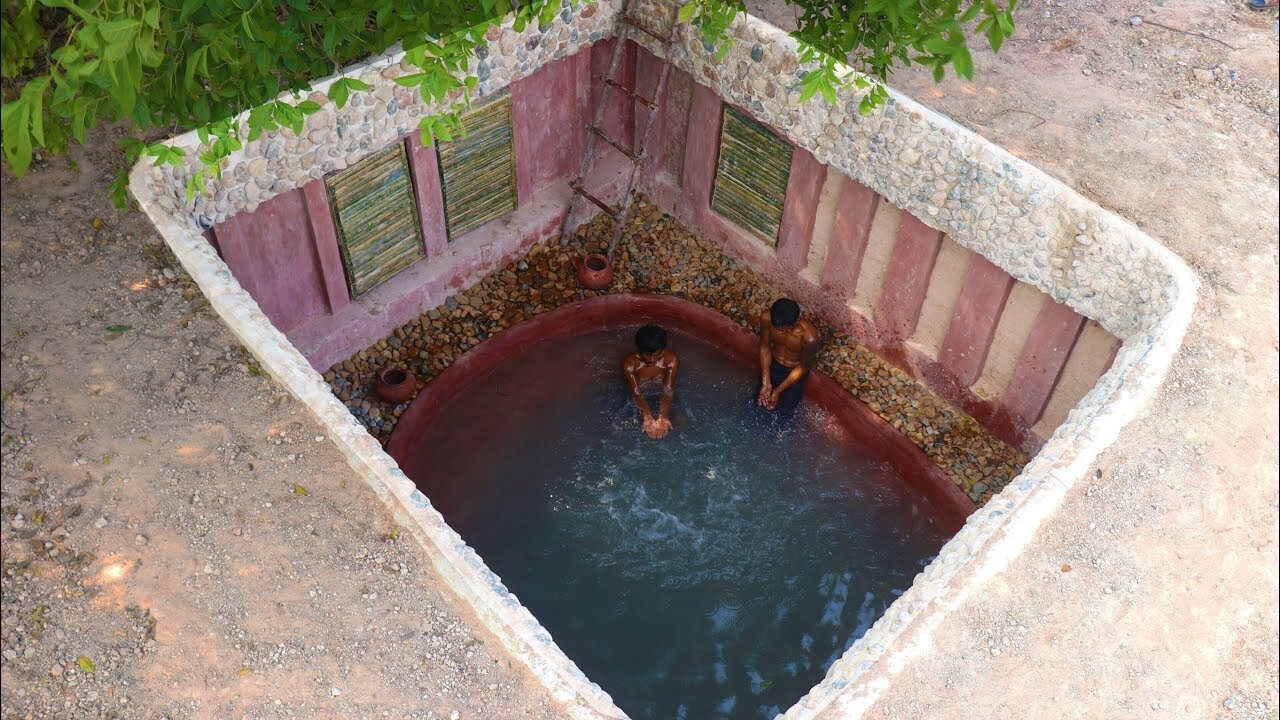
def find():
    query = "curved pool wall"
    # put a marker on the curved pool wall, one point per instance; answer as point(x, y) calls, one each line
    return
point(949, 504)
point(1043, 233)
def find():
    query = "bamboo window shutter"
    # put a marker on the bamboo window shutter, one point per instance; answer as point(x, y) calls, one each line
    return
point(477, 169)
point(751, 175)
point(377, 218)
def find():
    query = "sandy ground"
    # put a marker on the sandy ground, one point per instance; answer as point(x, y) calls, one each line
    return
point(179, 539)
point(171, 521)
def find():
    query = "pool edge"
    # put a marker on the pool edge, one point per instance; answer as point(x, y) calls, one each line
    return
point(951, 506)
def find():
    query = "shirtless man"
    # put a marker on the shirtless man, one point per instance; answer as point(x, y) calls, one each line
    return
point(788, 350)
point(651, 361)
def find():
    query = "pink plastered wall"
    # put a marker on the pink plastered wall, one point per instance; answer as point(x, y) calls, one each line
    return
point(286, 253)
point(905, 280)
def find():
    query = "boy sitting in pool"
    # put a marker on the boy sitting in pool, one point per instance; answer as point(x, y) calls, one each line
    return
point(651, 361)
point(788, 351)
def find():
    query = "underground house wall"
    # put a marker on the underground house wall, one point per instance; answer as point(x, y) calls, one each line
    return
point(1038, 231)
point(285, 252)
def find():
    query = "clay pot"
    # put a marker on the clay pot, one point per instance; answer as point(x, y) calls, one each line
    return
point(595, 272)
point(395, 384)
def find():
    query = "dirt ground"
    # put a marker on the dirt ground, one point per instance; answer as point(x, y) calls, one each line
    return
point(178, 543)
point(179, 539)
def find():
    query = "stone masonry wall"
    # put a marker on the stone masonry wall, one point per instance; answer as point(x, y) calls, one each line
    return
point(334, 139)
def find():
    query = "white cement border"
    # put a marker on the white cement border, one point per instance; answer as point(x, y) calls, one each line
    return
point(1024, 221)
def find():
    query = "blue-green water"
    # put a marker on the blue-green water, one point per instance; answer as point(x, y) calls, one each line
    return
point(716, 573)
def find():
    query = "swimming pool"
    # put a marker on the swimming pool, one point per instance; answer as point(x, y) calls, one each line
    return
point(715, 573)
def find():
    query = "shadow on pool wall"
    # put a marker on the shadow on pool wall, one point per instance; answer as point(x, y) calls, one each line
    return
point(949, 504)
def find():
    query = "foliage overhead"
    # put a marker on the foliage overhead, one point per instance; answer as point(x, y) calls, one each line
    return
point(69, 65)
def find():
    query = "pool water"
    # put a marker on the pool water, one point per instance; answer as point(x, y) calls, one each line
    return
point(715, 573)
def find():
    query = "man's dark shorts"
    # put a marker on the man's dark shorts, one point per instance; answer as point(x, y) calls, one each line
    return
point(790, 398)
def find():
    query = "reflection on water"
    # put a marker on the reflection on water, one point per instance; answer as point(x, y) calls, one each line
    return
point(716, 573)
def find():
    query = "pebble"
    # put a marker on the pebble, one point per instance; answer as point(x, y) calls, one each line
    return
point(1135, 21)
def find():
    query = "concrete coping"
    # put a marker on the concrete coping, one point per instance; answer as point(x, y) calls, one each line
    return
point(1029, 224)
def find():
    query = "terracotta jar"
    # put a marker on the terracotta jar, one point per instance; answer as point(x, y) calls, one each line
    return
point(395, 384)
point(595, 272)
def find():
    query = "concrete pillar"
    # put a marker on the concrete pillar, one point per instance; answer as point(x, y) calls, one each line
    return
point(325, 235)
point(701, 151)
point(428, 194)
point(854, 212)
point(906, 279)
point(1041, 363)
point(799, 211)
point(973, 325)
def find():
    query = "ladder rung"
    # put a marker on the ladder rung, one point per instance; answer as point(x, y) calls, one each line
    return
point(577, 187)
point(636, 24)
point(642, 100)
point(635, 157)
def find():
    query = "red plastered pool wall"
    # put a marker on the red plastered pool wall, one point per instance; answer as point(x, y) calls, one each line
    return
point(924, 480)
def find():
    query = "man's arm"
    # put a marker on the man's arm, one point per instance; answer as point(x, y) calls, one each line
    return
point(669, 388)
point(809, 346)
point(629, 372)
point(766, 357)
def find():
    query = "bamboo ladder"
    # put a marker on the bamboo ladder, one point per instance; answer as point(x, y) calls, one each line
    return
point(637, 154)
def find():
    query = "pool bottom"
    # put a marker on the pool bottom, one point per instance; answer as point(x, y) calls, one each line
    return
point(715, 573)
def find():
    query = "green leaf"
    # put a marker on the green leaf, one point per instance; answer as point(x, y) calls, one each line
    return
point(80, 109)
point(85, 663)
point(119, 190)
point(963, 62)
point(117, 329)
point(412, 80)
point(338, 92)
point(549, 12)
point(15, 117)
point(356, 84)
point(115, 32)
point(995, 36)
point(188, 9)
point(309, 107)
point(687, 11)
point(248, 27)
point(936, 45)
point(34, 92)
